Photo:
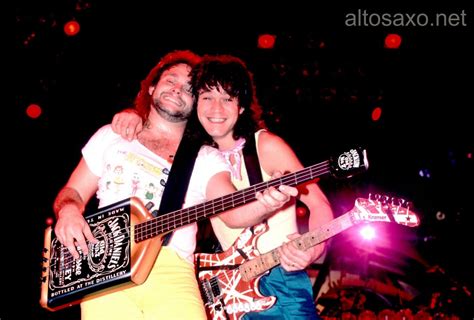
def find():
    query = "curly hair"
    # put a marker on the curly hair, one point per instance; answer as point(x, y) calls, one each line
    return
point(233, 76)
point(143, 100)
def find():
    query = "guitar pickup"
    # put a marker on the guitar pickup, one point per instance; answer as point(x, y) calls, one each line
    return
point(206, 292)
point(210, 290)
point(216, 289)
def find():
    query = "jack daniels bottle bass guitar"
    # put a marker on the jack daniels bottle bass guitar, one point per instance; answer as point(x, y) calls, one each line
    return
point(130, 238)
point(229, 280)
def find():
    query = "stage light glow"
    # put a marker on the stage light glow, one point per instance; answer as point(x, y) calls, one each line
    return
point(266, 41)
point(49, 221)
point(301, 211)
point(367, 232)
point(33, 111)
point(424, 173)
point(376, 114)
point(72, 28)
point(393, 41)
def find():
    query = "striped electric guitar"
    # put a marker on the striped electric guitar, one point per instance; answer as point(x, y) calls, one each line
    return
point(130, 238)
point(229, 280)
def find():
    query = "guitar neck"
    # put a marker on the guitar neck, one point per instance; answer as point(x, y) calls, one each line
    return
point(255, 267)
point(173, 220)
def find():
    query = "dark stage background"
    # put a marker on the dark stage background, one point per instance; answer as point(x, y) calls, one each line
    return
point(318, 87)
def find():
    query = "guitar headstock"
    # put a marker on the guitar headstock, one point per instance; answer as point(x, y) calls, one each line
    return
point(348, 163)
point(379, 208)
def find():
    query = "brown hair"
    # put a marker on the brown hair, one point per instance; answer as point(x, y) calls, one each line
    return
point(143, 100)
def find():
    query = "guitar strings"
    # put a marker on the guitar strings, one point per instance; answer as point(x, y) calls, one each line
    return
point(313, 237)
point(318, 235)
point(167, 222)
point(68, 259)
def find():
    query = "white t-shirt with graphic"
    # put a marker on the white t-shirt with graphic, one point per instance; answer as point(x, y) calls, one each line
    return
point(127, 168)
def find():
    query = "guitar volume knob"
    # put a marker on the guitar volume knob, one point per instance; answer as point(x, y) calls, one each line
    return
point(149, 205)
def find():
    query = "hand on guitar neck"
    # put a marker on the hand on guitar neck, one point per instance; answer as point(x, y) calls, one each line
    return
point(292, 258)
point(130, 238)
point(229, 280)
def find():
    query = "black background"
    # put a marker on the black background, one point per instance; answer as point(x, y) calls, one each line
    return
point(318, 87)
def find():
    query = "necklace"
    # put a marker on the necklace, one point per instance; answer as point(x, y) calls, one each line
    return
point(235, 154)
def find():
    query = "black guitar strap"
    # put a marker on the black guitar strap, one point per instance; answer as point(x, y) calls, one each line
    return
point(251, 161)
point(210, 242)
point(178, 179)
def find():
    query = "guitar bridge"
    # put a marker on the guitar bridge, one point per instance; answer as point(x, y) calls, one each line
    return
point(210, 290)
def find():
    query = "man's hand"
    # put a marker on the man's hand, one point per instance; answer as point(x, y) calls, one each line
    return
point(72, 229)
point(127, 123)
point(293, 259)
point(273, 198)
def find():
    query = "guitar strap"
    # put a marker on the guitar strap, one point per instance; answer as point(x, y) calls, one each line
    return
point(251, 161)
point(210, 242)
point(252, 164)
point(178, 179)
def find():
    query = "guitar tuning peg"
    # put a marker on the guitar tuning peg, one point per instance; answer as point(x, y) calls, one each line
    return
point(401, 201)
point(370, 196)
point(385, 199)
point(394, 201)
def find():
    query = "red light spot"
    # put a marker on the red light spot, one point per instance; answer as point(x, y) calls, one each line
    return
point(33, 111)
point(72, 28)
point(469, 155)
point(393, 41)
point(300, 211)
point(376, 114)
point(49, 221)
point(266, 41)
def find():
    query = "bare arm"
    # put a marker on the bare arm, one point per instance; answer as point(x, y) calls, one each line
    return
point(71, 227)
point(127, 123)
point(320, 214)
point(272, 147)
point(250, 214)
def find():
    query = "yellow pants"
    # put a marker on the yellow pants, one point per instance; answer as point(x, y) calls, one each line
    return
point(170, 292)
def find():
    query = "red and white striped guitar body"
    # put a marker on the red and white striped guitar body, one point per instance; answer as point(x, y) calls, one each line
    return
point(226, 293)
point(229, 280)
point(130, 240)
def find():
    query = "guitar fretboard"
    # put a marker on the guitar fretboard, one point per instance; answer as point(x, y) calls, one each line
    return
point(255, 267)
point(173, 220)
